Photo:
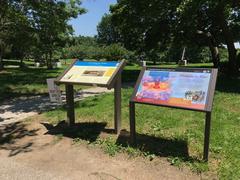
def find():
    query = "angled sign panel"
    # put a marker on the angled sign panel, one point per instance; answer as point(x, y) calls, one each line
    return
point(183, 88)
point(91, 72)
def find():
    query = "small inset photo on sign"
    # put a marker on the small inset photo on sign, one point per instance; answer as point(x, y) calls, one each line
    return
point(195, 96)
point(93, 73)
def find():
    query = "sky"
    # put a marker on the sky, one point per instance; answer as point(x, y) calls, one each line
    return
point(86, 24)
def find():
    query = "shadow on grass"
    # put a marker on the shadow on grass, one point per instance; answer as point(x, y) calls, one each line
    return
point(88, 131)
point(228, 84)
point(11, 135)
point(154, 145)
point(15, 80)
point(130, 75)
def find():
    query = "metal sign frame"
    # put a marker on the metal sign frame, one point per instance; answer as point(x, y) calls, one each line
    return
point(109, 84)
point(115, 82)
point(207, 109)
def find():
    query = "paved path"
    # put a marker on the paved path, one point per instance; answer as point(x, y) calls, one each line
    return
point(17, 109)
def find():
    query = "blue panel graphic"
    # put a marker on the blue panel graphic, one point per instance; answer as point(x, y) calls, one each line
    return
point(98, 64)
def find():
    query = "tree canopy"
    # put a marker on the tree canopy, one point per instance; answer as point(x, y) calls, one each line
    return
point(150, 26)
point(107, 32)
point(41, 26)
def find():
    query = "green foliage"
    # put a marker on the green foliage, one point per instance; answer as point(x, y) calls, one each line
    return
point(115, 52)
point(109, 146)
point(36, 28)
point(107, 32)
point(88, 48)
point(153, 27)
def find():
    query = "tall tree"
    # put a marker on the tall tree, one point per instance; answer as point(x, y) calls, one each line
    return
point(145, 25)
point(50, 23)
point(107, 32)
point(8, 17)
point(218, 21)
point(41, 25)
point(150, 25)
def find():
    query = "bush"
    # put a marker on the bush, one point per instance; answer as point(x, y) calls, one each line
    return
point(115, 52)
point(112, 52)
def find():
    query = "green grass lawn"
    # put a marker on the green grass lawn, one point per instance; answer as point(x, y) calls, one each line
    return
point(162, 132)
point(15, 81)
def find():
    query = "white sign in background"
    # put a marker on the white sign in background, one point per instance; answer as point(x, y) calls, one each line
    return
point(54, 91)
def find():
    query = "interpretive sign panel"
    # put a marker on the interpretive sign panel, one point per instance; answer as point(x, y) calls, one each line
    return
point(90, 72)
point(184, 88)
point(104, 74)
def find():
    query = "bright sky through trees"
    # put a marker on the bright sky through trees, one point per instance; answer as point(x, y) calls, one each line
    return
point(86, 24)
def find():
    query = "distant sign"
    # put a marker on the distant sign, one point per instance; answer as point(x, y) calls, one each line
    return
point(188, 88)
point(90, 72)
point(54, 91)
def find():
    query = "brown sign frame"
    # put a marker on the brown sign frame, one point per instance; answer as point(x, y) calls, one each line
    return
point(115, 82)
point(211, 86)
point(109, 84)
point(207, 110)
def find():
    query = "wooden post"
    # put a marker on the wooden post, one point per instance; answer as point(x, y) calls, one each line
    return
point(132, 122)
point(70, 104)
point(117, 104)
point(207, 136)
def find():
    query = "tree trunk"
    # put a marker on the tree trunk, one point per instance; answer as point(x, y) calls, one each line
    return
point(215, 56)
point(214, 50)
point(1, 60)
point(213, 47)
point(1, 64)
point(229, 40)
point(49, 61)
point(154, 61)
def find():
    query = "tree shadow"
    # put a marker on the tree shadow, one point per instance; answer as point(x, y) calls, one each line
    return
point(155, 145)
point(11, 134)
point(228, 84)
point(88, 131)
point(130, 75)
point(22, 78)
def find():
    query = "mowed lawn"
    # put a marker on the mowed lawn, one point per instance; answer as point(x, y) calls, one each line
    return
point(15, 81)
point(162, 132)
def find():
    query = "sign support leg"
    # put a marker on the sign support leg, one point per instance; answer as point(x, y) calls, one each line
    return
point(132, 122)
point(207, 136)
point(117, 105)
point(70, 104)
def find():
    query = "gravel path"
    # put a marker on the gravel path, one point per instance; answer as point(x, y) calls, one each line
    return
point(17, 109)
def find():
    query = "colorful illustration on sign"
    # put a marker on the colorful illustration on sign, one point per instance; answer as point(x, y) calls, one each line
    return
point(93, 73)
point(90, 72)
point(174, 88)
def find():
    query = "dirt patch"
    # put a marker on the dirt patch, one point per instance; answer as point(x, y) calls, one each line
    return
point(29, 152)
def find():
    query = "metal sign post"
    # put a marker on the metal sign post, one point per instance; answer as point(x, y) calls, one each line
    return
point(70, 104)
point(207, 135)
point(143, 95)
point(117, 104)
point(132, 122)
